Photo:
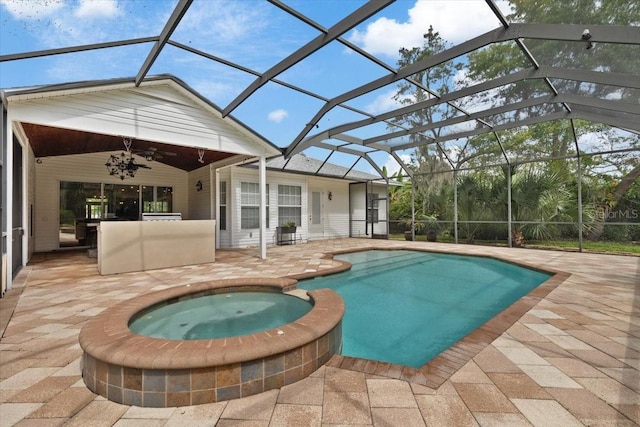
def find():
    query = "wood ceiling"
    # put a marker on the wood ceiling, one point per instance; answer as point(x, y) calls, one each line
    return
point(49, 141)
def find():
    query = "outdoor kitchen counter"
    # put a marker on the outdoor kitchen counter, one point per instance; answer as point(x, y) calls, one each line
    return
point(125, 246)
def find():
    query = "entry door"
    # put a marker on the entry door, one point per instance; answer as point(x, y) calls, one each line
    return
point(316, 226)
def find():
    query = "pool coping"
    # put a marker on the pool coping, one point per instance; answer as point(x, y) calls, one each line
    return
point(132, 369)
point(108, 337)
point(439, 369)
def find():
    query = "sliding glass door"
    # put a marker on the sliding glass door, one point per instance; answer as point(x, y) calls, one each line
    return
point(83, 203)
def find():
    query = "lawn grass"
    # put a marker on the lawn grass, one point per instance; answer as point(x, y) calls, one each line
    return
point(626, 248)
point(620, 248)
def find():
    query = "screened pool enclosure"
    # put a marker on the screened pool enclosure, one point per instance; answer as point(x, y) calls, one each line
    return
point(515, 125)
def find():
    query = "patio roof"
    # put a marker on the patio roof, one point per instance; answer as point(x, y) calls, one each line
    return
point(584, 87)
point(301, 164)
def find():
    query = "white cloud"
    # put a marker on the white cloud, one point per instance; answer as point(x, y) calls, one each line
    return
point(224, 21)
point(383, 103)
point(26, 10)
point(91, 9)
point(456, 21)
point(58, 23)
point(392, 165)
point(386, 36)
point(278, 115)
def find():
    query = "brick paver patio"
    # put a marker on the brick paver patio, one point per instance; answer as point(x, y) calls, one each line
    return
point(572, 358)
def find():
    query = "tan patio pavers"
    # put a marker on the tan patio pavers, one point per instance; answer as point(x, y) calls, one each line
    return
point(571, 359)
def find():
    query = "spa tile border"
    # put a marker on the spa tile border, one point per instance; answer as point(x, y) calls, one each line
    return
point(142, 371)
point(438, 370)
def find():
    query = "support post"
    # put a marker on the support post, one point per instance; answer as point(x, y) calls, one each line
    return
point(413, 211)
point(262, 182)
point(509, 214)
point(579, 203)
point(215, 200)
point(8, 167)
point(455, 205)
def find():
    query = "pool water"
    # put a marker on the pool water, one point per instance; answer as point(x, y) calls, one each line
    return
point(406, 307)
point(220, 315)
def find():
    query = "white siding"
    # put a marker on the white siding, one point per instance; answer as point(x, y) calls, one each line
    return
point(335, 212)
point(91, 168)
point(200, 201)
point(358, 203)
point(249, 237)
point(156, 111)
point(225, 235)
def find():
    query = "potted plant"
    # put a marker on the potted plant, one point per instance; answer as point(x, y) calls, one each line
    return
point(288, 227)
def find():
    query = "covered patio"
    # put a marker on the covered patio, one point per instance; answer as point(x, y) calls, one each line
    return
point(570, 358)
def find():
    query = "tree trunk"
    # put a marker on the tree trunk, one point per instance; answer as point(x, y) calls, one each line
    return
point(623, 186)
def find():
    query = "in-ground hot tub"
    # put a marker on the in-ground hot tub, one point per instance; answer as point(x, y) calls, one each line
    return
point(157, 372)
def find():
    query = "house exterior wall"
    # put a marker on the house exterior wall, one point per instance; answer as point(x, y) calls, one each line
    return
point(162, 110)
point(335, 212)
point(225, 235)
point(357, 205)
point(91, 168)
point(155, 111)
point(193, 204)
point(200, 201)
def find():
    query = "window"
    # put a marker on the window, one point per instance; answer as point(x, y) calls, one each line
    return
point(108, 201)
point(157, 199)
point(249, 205)
point(222, 217)
point(164, 199)
point(122, 201)
point(289, 204)
point(372, 208)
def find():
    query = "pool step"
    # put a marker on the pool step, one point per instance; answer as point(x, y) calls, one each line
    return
point(300, 293)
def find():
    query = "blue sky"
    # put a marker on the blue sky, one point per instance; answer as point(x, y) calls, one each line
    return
point(251, 33)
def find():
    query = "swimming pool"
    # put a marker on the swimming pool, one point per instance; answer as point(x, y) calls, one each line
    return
point(406, 307)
